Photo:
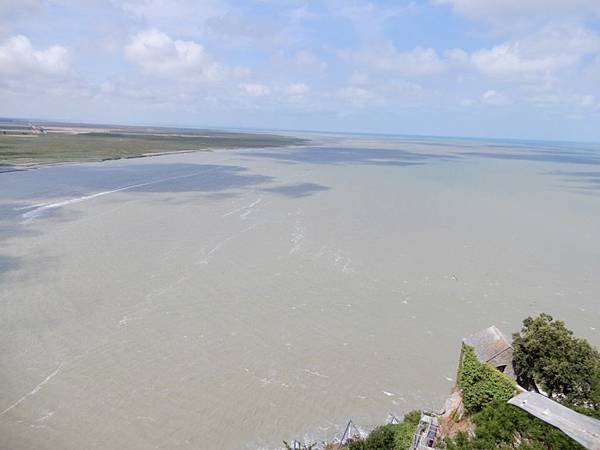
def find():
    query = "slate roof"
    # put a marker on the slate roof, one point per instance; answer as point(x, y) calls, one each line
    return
point(581, 428)
point(488, 343)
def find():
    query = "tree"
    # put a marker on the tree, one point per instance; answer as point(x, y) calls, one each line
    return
point(567, 368)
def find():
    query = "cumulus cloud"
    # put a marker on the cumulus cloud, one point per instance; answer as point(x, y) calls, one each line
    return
point(157, 54)
point(298, 55)
point(508, 61)
point(541, 54)
point(415, 63)
point(19, 59)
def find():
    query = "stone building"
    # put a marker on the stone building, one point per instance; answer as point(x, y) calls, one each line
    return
point(491, 346)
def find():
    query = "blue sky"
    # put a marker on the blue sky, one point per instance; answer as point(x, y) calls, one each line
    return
point(493, 68)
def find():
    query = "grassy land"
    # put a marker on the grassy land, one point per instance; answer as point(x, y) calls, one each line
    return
point(102, 144)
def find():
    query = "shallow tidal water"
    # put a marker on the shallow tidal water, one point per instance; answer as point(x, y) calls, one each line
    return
point(233, 299)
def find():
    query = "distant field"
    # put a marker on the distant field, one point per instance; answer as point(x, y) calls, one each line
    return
point(76, 144)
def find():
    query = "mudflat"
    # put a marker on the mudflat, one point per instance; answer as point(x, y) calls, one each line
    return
point(232, 299)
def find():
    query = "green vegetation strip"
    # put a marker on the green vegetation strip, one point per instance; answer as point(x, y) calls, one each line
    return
point(64, 147)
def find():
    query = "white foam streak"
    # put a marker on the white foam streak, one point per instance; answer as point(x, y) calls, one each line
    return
point(217, 247)
point(38, 210)
point(34, 391)
point(247, 209)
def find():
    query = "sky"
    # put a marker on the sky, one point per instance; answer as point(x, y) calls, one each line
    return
point(480, 68)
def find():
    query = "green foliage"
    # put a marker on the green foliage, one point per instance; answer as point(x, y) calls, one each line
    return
point(61, 147)
point(503, 426)
point(406, 430)
point(460, 442)
point(381, 438)
point(481, 383)
point(390, 436)
point(357, 445)
point(567, 368)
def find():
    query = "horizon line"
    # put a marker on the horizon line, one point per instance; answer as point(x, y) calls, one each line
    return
point(299, 130)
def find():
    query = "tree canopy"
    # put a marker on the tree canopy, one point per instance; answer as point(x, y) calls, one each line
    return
point(567, 368)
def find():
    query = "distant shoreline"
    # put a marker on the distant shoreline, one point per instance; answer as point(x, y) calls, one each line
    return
point(25, 146)
point(6, 168)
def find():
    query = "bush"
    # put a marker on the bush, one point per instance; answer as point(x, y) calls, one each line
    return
point(567, 368)
point(481, 383)
point(356, 445)
point(503, 426)
point(406, 430)
point(390, 436)
point(381, 438)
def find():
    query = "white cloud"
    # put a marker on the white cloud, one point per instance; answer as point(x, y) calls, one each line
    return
point(19, 59)
point(457, 56)
point(254, 89)
point(495, 98)
point(508, 61)
point(296, 94)
point(415, 63)
point(159, 55)
point(541, 54)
